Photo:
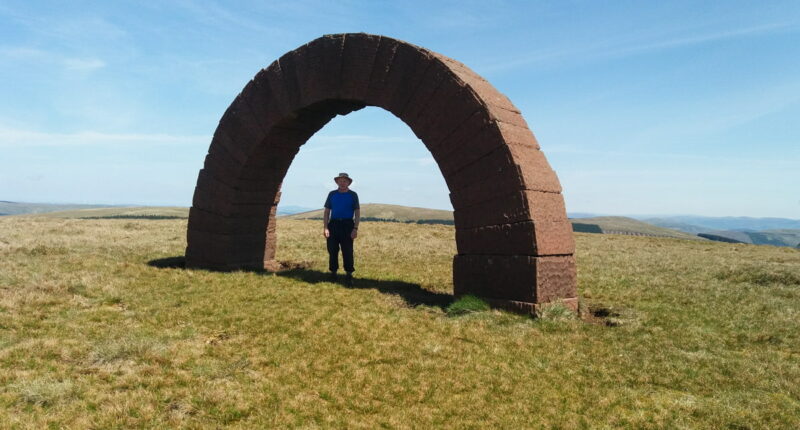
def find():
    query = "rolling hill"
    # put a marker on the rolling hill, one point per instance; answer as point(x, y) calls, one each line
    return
point(784, 237)
point(407, 214)
point(20, 208)
point(383, 212)
point(683, 222)
point(134, 212)
point(757, 231)
point(624, 225)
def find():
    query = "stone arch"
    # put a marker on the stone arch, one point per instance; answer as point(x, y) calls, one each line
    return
point(514, 241)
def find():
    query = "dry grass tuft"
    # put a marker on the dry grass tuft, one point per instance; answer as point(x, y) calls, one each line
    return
point(760, 275)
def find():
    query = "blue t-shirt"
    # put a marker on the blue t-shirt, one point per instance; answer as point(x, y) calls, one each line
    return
point(342, 205)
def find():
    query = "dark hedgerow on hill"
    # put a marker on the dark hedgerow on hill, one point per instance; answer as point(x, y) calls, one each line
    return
point(418, 221)
point(156, 217)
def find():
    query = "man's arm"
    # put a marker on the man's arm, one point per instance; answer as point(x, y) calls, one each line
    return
point(356, 214)
point(326, 215)
point(356, 220)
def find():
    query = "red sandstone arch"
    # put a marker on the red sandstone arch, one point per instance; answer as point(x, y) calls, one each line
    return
point(515, 244)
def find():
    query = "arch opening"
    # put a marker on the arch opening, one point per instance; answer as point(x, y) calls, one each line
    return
point(388, 163)
point(514, 241)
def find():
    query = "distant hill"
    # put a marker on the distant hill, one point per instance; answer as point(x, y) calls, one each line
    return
point(611, 225)
point(106, 211)
point(784, 237)
point(383, 212)
point(757, 231)
point(624, 225)
point(690, 222)
point(292, 209)
point(134, 212)
point(666, 227)
point(20, 208)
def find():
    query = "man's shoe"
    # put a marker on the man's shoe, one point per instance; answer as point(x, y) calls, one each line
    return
point(332, 277)
point(348, 279)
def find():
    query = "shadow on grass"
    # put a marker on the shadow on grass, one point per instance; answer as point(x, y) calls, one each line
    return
point(178, 262)
point(413, 294)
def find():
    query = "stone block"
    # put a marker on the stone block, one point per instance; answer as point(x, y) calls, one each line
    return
point(405, 76)
point(263, 102)
point(252, 209)
point(222, 164)
point(516, 135)
point(423, 121)
point(468, 130)
point(451, 106)
point(495, 276)
point(522, 238)
point(205, 221)
point(227, 248)
point(519, 278)
point(479, 85)
point(318, 66)
point(460, 106)
point(358, 57)
point(423, 95)
point(506, 116)
point(516, 206)
point(513, 161)
point(214, 195)
point(478, 143)
point(288, 69)
point(242, 128)
point(377, 91)
point(278, 89)
point(556, 278)
point(527, 170)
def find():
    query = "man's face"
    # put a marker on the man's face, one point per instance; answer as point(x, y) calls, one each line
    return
point(342, 183)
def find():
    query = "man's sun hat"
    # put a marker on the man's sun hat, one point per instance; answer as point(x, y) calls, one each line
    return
point(346, 176)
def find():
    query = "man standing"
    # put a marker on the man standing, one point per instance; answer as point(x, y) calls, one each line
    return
point(342, 215)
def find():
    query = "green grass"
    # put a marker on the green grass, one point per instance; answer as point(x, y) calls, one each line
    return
point(467, 304)
point(100, 327)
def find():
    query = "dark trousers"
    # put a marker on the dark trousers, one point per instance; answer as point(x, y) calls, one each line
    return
point(340, 230)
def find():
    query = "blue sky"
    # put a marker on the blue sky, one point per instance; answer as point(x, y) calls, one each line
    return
point(640, 107)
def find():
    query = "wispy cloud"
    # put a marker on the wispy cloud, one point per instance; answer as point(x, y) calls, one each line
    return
point(628, 47)
point(724, 112)
point(322, 142)
point(28, 54)
point(11, 137)
point(83, 64)
point(682, 159)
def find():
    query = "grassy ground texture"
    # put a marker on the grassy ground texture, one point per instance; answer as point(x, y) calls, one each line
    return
point(100, 327)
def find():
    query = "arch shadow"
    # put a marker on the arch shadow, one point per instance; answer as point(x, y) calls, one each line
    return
point(413, 294)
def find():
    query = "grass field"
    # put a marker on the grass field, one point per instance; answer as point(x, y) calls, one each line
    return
point(100, 327)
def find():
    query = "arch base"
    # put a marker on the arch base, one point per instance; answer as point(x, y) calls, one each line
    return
point(533, 309)
point(519, 283)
